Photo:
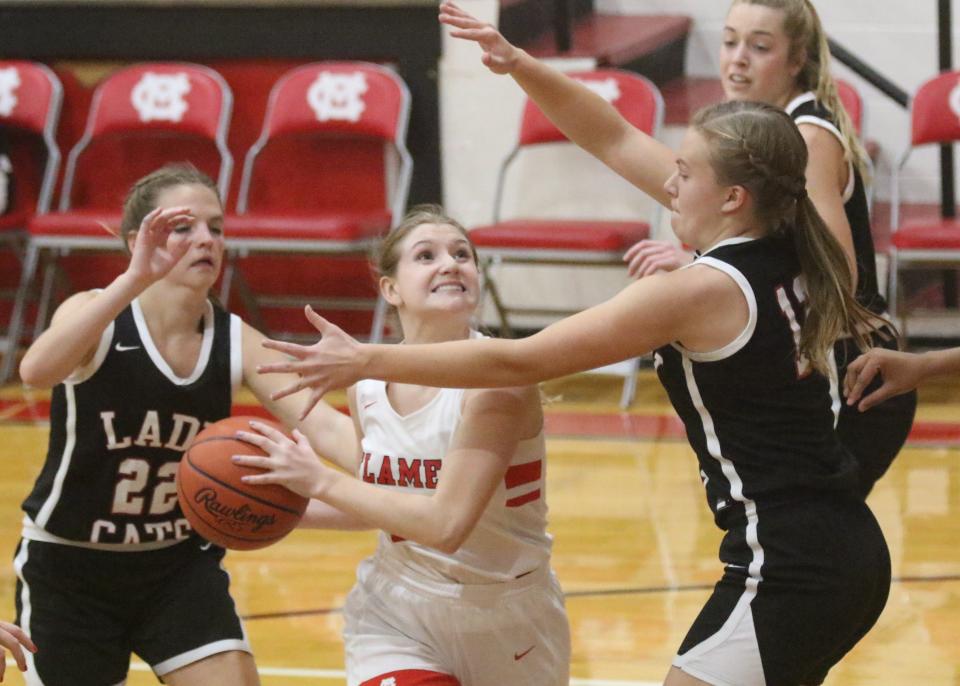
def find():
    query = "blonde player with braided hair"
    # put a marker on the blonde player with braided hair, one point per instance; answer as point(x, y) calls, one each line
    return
point(743, 359)
point(774, 51)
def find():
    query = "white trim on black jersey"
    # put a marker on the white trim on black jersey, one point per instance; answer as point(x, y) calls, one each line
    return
point(157, 358)
point(730, 472)
point(747, 333)
point(236, 354)
point(829, 126)
point(43, 514)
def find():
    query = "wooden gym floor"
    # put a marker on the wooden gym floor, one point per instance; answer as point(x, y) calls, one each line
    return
point(635, 547)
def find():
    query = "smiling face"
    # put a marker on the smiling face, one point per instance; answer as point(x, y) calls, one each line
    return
point(436, 273)
point(201, 265)
point(755, 59)
point(698, 202)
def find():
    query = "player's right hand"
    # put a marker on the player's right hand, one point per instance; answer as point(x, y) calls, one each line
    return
point(15, 639)
point(648, 257)
point(499, 55)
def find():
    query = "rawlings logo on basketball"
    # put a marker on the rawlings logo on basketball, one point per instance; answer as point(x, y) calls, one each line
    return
point(954, 99)
point(237, 518)
point(9, 82)
point(608, 89)
point(337, 96)
point(159, 97)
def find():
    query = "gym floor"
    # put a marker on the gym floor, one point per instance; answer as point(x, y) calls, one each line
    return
point(635, 546)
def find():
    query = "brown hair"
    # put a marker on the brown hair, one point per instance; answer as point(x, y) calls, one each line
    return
point(759, 147)
point(387, 256)
point(802, 25)
point(142, 197)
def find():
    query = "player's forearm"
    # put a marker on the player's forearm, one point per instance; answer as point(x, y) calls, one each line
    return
point(941, 362)
point(409, 516)
point(583, 116)
point(321, 515)
point(488, 363)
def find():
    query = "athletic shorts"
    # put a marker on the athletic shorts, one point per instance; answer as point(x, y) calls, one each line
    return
point(823, 582)
point(88, 610)
point(877, 435)
point(483, 635)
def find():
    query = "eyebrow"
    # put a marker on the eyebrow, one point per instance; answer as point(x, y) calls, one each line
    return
point(750, 33)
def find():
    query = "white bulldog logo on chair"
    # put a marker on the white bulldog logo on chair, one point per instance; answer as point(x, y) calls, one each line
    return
point(337, 96)
point(9, 82)
point(160, 97)
point(954, 99)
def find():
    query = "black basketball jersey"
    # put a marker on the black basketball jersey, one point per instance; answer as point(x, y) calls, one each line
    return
point(118, 430)
point(756, 414)
point(805, 109)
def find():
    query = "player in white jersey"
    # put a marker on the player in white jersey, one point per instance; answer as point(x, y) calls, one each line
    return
point(742, 339)
point(460, 589)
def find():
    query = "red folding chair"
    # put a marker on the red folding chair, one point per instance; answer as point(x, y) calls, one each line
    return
point(852, 103)
point(328, 176)
point(141, 117)
point(933, 241)
point(30, 99)
point(568, 242)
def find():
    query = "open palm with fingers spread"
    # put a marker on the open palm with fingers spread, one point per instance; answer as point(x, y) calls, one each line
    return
point(332, 362)
point(499, 55)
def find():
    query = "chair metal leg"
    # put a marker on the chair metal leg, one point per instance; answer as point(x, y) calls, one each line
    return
point(16, 318)
point(226, 283)
point(491, 286)
point(46, 294)
point(379, 320)
point(630, 384)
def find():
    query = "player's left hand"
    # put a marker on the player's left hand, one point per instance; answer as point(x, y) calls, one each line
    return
point(15, 639)
point(332, 362)
point(290, 463)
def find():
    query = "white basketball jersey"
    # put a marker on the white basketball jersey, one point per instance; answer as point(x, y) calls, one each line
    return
point(407, 452)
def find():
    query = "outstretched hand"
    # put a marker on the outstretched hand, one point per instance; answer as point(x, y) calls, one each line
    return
point(900, 372)
point(499, 55)
point(15, 639)
point(648, 257)
point(291, 463)
point(332, 362)
point(152, 258)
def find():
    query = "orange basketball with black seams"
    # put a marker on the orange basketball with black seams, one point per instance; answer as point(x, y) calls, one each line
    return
point(218, 505)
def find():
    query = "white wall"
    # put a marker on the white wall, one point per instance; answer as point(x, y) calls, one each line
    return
point(480, 114)
point(898, 38)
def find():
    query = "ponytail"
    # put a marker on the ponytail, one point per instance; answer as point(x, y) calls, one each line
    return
point(759, 147)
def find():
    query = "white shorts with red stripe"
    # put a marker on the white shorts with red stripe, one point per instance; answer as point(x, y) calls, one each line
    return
point(482, 634)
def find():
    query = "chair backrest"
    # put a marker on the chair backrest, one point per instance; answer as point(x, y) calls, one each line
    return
point(852, 103)
point(634, 96)
point(30, 99)
point(935, 110)
point(934, 118)
point(165, 99)
point(343, 102)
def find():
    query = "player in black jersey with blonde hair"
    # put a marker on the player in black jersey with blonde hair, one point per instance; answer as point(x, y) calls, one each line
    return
point(773, 51)
point(743, 337)
point(107, 565)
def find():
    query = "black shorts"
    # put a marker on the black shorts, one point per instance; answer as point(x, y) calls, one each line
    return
point(822, 584)
point(88, 610)
point(877, 435)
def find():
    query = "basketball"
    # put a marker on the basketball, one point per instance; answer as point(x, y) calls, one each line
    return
point(218, 505)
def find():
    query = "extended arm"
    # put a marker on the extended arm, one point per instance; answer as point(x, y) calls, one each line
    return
point(583, 116)
point(79, 322)
point(700, 306)
point(492, 424)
